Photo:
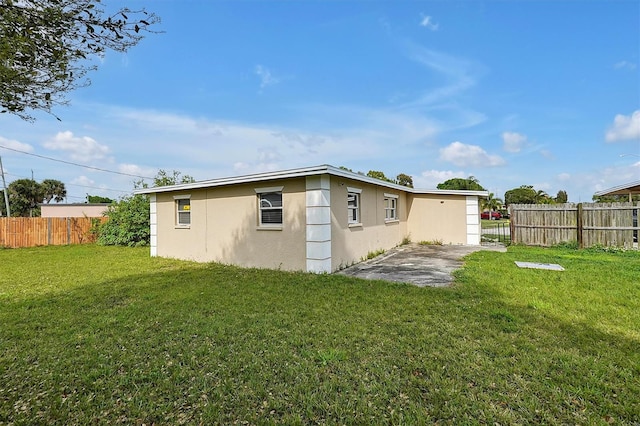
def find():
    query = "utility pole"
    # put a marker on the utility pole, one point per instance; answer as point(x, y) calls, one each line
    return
point(6, 193)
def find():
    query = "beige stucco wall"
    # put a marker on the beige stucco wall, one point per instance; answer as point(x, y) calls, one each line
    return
point(72, 210)
point(438, 218)
point(224, 227)
point(350, 244)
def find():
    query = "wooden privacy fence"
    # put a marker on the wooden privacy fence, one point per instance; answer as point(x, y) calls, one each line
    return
point(41, 231)
point(588, 224)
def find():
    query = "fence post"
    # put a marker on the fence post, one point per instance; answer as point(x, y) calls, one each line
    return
point(512, 226)
point(68, 231)
point(579, 227)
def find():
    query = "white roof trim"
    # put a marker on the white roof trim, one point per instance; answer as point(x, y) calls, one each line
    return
point(626, 188)
point(303, 172)
point(269, 189)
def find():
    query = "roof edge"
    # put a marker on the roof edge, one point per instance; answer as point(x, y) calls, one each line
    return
point(303, 172)
point(618, 188)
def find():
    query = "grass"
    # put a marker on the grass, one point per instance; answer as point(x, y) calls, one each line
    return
point(372, 254)
point(108, 335)
point(494, 223)
point(431, 243)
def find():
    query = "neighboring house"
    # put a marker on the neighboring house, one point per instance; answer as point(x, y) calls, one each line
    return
point(73, 210)
point(317, 219)
point(629, 189)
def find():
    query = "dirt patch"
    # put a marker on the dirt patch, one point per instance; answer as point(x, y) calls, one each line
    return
point(421, 265)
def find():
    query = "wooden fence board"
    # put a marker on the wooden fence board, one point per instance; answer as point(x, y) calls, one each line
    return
point(607, 224)
point(41, 231)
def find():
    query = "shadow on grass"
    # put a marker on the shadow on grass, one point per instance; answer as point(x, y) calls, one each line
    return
point(219, 344)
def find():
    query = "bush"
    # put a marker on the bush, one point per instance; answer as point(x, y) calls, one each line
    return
point(128, 223)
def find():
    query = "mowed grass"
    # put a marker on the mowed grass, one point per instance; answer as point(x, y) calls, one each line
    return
point(108, 335)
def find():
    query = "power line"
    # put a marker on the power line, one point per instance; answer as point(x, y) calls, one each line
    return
point(75, 164)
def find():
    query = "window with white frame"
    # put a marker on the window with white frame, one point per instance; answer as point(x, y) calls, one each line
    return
point(390, 207)
point(183, 210)
point(353, 205)
point(270, 207)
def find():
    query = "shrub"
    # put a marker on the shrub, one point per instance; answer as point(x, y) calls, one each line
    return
point(128, 223)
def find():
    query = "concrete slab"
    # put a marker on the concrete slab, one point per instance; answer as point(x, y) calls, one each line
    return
point(533, 265)
point(421, 265)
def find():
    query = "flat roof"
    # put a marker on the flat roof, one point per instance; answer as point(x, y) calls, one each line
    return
point(626, 189)
point(302, 172)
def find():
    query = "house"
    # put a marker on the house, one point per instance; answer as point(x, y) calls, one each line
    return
point(73, 210)
point(630, 189)
point(317, 219)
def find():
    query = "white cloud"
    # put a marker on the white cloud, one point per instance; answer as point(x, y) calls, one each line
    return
point(83, 180)
point(82, 148)
point(222, 147)
point(513, 142)
point(547, 154)
point(564, 177)
point(463, 155)
point(624, 128)
point(457, 71)
point(624, 65)
point(241, 167)
point(266, 78)
point(14, 144)
point(427, 22)
point(431, 178)
point(134, 169)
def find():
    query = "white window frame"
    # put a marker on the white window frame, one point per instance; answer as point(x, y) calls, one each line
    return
point(356, 193)
point(180, 213)
point(390, 208)
point(270, 190)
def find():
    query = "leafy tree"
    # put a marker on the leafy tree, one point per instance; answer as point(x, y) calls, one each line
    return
point(562, 197)
point(615, 198)
point(128, 222)
point(24, 197)
point(379, 175)
point(525, 194)
point(471, 183)
point(98, 199)
point(404, 180)
point(48, 46)
point(164, 178)
point(53, 190)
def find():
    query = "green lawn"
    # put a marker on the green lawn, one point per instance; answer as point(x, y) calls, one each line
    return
point(105, 335)
point(485, 223)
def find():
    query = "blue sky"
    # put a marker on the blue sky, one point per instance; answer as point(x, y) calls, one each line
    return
point(544, 93)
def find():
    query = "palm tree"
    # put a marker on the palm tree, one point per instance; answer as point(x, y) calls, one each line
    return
point(53, 190)
point(491, 203)
point(542, 197)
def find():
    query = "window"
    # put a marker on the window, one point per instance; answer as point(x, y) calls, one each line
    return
point(390, 207)
point(270, 207)
point(183, 210)
point(353, 205)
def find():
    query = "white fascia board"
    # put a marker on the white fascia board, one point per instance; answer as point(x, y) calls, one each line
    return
point(234, 180)
point(303, 172)
point(624, 189)
point(451, 192)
